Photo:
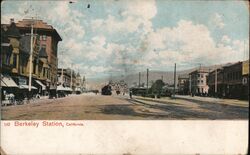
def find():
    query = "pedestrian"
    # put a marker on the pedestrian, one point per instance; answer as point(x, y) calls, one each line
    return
point(130, 94)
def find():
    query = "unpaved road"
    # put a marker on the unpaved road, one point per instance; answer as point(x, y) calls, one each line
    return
point(98, 107)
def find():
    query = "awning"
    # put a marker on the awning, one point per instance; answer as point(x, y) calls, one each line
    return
point(68, 89)
point(78, 89)
point(7, 81)
point(61, 88)
point(41, 84)
point(26, 87)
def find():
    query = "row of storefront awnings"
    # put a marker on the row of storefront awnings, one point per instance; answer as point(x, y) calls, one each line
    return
point(7, 81)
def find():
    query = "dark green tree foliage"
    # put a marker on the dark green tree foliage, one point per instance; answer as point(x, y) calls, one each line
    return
point(156, 88)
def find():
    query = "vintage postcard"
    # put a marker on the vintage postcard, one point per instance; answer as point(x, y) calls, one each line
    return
point(124, 77)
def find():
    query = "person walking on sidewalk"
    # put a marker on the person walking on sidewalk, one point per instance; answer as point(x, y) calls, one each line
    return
point(130, 94)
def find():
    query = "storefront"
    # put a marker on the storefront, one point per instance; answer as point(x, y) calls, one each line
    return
point(9, 86)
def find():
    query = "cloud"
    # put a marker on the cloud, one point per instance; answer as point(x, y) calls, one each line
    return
point(135, 15)
point(217, 20)
point(225, 39)
point(124, 38)
point(189, 43)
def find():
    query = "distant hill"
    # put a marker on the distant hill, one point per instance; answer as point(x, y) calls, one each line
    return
point(133, 79)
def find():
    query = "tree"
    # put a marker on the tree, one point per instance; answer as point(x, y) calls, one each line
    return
point(157, 87)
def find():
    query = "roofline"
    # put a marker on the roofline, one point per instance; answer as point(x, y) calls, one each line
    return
point(42, 29)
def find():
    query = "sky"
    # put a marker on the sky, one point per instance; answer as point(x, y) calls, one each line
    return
point(119, 37)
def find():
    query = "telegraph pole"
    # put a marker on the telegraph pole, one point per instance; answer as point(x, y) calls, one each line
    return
point(62, 72)
point(190, 86)
point(139, 79)
point(31, 55)
point(71, 76)
point(174, 78)
point(147, 80)
point(215, 87)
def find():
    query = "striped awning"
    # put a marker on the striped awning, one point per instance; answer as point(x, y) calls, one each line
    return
point(41, 84)
point(7, 81)
point(26, 87)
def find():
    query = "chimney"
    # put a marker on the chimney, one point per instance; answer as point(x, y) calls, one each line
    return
point(11, 20)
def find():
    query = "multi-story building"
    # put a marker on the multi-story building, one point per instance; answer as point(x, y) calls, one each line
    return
point(64, 77)
point(233, 80)
point(78, 83)
point(15, 58)
point(215, 81)
point(68, 78)
point(9, 48)
point(49, 39)
point(183, 84)
point(245, 79)
point(198, 81)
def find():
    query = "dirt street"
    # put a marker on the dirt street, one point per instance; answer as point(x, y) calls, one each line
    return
point(98, 107)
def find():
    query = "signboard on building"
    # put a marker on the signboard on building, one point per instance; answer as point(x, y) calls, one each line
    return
point(245, 67)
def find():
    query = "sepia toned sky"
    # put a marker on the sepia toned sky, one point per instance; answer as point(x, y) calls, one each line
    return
point(120, 36)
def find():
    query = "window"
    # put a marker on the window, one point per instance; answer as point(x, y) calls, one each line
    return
point(14, 60)
point(202, 81)
point(198, 81)
point(44, 72)
point(44, 37)
point(34, 66)
point(44, 46)
point(201, 76)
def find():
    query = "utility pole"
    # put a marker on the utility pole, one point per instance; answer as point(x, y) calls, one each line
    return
point(190, 84)
point(174, 78)
point(71, 76)
point(162, 78)
point(62, 76)
point(215, 87)
point(147, 80)
point(31, 55)
point(139, 79)
point(62, 72)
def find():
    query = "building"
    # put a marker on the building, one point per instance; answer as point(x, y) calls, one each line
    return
point(15, 56)
point(233, 80)
point(78, 83)
point(245, 79)
point(67, 78)
point(215, 81)
point(9, 42)
point(64, 77)
point(49, 39)
point(183, 84)
point(198, 79)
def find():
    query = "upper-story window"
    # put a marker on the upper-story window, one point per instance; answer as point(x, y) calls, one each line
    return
point(201, 76)
point(44, 46)
point(44, 37)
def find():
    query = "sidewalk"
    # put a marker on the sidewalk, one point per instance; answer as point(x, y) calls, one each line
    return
point(235, 102)
point(180, 98)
